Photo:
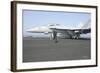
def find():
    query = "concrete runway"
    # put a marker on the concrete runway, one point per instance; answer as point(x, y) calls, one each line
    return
point(38, 50)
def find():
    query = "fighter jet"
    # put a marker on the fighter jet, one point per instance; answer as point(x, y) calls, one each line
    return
point(56, 30)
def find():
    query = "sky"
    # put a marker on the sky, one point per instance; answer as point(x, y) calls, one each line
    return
point(37, 18)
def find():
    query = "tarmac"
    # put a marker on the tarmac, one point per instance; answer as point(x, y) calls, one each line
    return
point(44, 49)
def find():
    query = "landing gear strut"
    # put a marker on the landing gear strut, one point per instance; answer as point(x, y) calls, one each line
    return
point(76, 36)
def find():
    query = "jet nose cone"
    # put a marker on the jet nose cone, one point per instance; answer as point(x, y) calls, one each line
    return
point(29, 30)
point(33, 30)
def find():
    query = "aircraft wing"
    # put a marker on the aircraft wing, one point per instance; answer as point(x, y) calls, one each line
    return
point(76, 30)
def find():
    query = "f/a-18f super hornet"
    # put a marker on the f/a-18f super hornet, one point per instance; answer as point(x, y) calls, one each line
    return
point(56, 30)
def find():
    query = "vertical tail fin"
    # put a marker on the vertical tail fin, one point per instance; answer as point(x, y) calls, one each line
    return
point(85, 25)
